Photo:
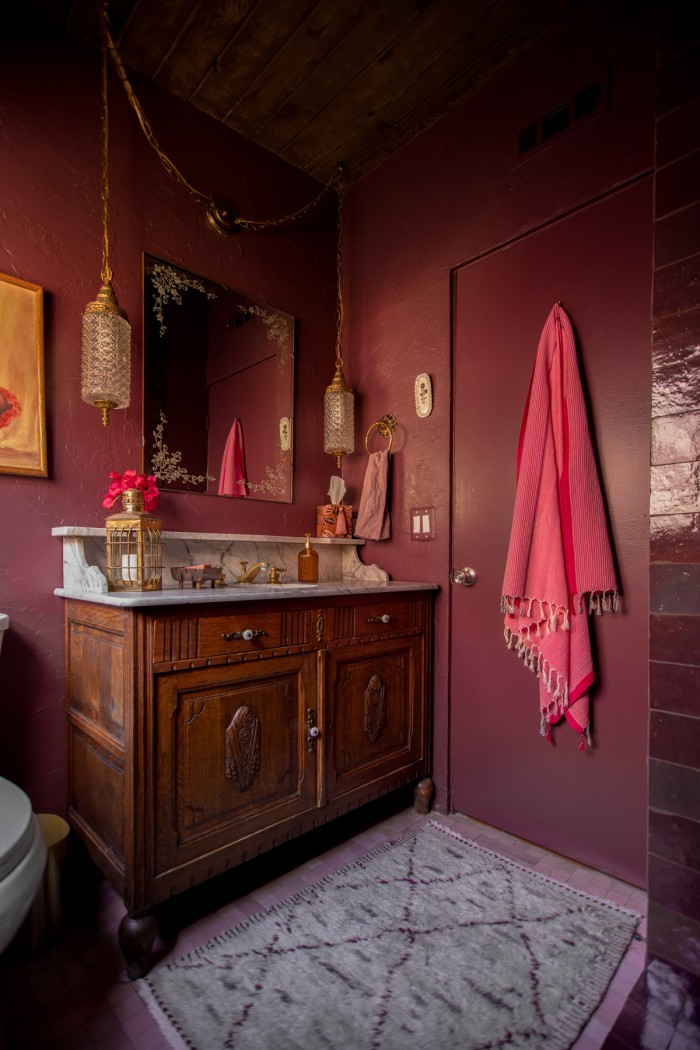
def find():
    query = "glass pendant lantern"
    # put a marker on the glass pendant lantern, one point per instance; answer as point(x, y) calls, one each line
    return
point(338, 417)
point(106, 353)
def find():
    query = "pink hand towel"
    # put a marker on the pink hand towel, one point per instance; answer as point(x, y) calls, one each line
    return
point(232, 479)
point(373, 522)
point(559, 566)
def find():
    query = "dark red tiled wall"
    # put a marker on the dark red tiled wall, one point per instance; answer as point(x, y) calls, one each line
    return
point(674, 728)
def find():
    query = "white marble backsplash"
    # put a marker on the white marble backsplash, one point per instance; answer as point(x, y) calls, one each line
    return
point(85, 557)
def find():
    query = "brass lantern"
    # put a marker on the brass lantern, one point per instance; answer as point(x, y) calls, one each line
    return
point(134, 548)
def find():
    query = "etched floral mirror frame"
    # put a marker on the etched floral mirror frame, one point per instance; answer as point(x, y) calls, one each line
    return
point(212, 357)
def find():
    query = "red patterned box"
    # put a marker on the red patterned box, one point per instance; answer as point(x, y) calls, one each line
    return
point(327, 520)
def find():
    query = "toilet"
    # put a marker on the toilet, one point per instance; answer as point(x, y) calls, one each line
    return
point(22, 851)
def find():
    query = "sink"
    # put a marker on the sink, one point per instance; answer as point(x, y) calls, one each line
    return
point(267, 587)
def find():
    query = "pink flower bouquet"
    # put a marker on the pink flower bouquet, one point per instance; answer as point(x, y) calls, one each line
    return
point(131, 480)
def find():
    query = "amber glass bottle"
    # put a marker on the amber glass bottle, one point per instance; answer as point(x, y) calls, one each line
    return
point(308, 563)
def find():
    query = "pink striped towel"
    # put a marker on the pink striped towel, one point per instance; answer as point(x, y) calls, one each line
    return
point(232, 481)
point(559, 566)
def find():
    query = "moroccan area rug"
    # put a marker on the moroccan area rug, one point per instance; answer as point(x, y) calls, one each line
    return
point(430, 942)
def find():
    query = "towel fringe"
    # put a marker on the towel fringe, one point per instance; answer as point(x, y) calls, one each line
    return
point(597, 602)
point(554, 682)
point(557, 616)
point(552, 616)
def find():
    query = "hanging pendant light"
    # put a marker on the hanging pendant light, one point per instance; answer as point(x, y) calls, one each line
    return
point(106, 344)
point(338, 401)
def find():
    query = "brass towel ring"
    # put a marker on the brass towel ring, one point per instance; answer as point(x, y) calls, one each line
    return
point(386, 426)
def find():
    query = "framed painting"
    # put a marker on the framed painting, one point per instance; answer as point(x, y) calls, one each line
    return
point(22, 405)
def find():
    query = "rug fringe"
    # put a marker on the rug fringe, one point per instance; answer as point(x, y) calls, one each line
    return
point(159, 1012)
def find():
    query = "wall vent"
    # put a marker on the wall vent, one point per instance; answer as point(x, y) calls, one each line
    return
point(586, 104)
point(527, 138)
point(587, 101)
point(554, 123)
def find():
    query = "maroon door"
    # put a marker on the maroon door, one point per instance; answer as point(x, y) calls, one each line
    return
point(590, 806)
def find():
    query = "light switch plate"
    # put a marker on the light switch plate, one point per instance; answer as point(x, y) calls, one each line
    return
point(422, 523)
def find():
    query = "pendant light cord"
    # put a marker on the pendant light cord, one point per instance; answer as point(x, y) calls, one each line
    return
point(339, 276)
point(169, 166)
point(106, 272)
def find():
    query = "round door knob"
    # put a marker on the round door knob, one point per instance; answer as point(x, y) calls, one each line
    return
point(466, 576)
point(314, 731)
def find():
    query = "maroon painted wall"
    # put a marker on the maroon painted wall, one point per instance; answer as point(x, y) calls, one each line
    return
point(452, 193)
point(455, 192)
point(674, 729)
point(51, 235)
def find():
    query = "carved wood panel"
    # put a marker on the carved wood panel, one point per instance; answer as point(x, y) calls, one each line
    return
point(414, 615)
point(294, 626)
point(231, 753)
point(375, 707)
point(343, 622)
point(175, 639)
point(375, 711)
point(243, 747)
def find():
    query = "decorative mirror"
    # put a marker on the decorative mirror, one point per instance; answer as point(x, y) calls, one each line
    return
point(218, 387)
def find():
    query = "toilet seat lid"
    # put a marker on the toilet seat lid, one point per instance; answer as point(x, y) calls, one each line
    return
point(17, 826)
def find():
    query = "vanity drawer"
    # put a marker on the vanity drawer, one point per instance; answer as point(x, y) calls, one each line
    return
point(219, 635)
point(380, 618)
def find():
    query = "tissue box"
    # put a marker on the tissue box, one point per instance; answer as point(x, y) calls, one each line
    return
point(327, 520)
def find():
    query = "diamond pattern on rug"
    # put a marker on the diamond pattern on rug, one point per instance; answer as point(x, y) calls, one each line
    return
point(431, 941)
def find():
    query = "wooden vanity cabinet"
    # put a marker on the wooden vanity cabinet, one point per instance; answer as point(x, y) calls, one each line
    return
point(194, 747)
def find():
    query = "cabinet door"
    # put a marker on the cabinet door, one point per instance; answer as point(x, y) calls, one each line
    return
point(375, 723)
point(232, 761)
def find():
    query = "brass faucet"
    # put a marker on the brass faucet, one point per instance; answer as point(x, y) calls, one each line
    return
point(249, 574)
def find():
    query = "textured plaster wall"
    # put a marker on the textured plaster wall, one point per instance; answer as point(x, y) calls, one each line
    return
point(455, 192)
point(50, 216)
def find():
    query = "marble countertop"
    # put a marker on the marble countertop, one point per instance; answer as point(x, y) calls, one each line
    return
point(219, 537)
point(251, 592)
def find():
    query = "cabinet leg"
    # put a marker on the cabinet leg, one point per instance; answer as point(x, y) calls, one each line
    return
point(423, 795)
point(137, 935)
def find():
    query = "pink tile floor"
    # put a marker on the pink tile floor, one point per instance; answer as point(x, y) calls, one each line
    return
point(74, 995)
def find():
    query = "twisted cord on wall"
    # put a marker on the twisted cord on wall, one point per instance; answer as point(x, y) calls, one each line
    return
point(106, 271)
point(169, 166)
point(221, 212)
point(339, 277)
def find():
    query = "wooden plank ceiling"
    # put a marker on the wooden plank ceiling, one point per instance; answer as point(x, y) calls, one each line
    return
point(320, 81)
